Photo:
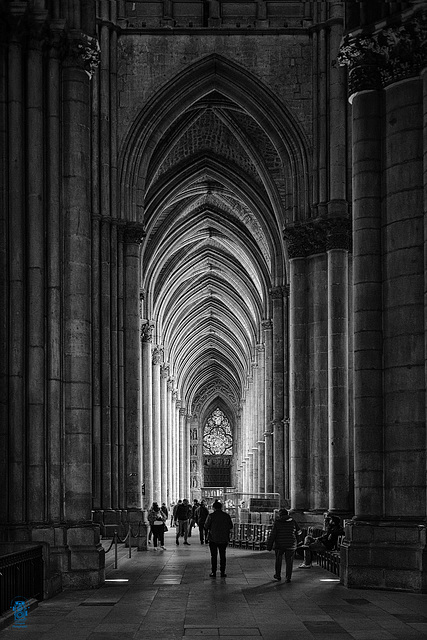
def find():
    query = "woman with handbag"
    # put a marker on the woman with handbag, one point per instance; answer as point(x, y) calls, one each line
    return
point(156, 518)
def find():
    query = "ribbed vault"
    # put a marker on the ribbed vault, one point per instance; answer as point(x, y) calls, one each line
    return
point(218, 173)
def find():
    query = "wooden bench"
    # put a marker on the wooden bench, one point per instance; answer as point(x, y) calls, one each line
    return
point(330, 560)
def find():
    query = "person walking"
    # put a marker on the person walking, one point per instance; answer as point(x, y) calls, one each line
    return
point(201, 515)
point(218, 526)
point(283, 538)
point(182, 515)
point(157, 518)
point(193, 519)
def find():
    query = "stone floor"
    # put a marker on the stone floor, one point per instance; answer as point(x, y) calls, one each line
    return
point(169, 595)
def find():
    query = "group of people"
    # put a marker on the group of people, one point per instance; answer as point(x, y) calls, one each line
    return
point(215, 528)
point(283, 539)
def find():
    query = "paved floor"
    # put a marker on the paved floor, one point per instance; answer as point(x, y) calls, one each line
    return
point(169, 595)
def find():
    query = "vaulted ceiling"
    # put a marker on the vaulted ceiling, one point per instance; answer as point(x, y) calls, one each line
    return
point(213, 185)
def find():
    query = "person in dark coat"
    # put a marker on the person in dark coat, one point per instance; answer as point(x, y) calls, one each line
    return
point(327, 541)
point(283, 538)
point(201, 515)
point(218, 526)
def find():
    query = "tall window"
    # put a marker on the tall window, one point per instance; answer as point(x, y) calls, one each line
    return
point(217, 435)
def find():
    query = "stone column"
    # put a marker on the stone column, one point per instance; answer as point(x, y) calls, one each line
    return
point(385, 543)
point(164, 374)
point(175, 444)
point(200, 456)
point(338, 345)
point(105, 352)
point(183, 450)
point(254, 432)
point(317, 374)
point(115, 388)
point(259, 443)
point(36, 287)
point(147, 411)
point(17, 339)
point(250, 470)
point(268, 439)
point(82, 537)
point(54, 422)
point(172, 495)
point(132, 433)
point(404, 271)
point(367, 292)
point(157, 429)
point(278, 390)
point(299, 435)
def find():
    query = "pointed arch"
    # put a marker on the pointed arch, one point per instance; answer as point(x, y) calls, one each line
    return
point(211, 73)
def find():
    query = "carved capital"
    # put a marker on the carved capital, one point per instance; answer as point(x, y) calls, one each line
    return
point(147, 332)
point(317, 236)
point(267, 325)
point(260, 347)
point(164, 371)
point(182, 412)
point(157, 355)
point(277, 292)
point(377, 59)
point(170, 385)
point(79, 49)
point(133, 233)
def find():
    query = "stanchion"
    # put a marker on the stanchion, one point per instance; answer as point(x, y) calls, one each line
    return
point(130, 542)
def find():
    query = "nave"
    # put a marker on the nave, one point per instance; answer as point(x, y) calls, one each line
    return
point(169, 595)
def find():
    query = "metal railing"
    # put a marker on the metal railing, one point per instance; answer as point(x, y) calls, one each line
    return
point(21, 574)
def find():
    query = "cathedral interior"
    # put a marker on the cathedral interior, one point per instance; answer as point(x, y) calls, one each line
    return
point(213, 251)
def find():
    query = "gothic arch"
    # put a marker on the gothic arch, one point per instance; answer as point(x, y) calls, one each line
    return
point(211, 73)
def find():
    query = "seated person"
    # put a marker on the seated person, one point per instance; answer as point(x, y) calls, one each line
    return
point(325, 542)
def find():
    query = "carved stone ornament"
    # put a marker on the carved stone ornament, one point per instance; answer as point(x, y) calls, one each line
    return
point(157, 356)
point(164, 371)
point(81, 49)
point(395, 53)
point(133, 233)
point(147, 332)
point(317, 236)
point(277, 292)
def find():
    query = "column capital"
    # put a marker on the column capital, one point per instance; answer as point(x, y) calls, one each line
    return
point(147, 332)
point(157, 354)
point(267, 325)
point(170, 384)
point(380, 57)
point(277, 293)
point(260, 347)
point(164, 370)
point(318, 235)
point(80, 49)
point(183, 412)
point(132, 233)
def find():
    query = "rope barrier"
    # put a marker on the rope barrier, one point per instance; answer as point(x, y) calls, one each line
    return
point(130, 534)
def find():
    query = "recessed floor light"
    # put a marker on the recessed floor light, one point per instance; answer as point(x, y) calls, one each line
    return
point(329, 580)
point(118, 580)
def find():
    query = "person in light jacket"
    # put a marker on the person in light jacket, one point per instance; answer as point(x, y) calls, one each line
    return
point(218, 526)
point(283, 538)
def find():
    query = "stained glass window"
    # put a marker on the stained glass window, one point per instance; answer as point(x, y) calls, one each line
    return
point(217, 435)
